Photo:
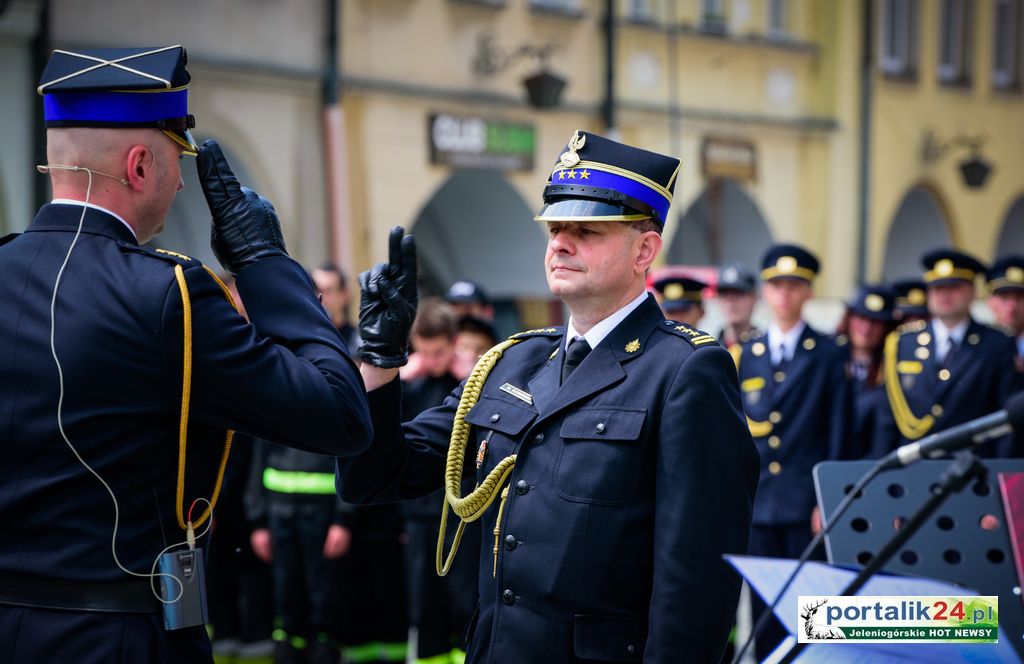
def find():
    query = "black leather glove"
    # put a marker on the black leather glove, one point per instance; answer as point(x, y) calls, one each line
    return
point(387, 304)
point(245, 225)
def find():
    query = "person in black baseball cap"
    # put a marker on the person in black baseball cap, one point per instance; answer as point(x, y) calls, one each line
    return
point(736, 292)
point(468, 298)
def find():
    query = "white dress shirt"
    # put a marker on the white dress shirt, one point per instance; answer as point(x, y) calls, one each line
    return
point(783, 344)
point(601, 330)
point(943, 334)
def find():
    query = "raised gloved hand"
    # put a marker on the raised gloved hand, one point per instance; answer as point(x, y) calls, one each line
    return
point(245, 225)
point(387, 304)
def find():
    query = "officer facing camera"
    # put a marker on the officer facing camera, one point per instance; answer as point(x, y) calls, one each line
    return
point(126, 370)
point(611, 455)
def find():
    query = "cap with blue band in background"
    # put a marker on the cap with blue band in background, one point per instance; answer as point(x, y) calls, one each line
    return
point(948, 266)
point(875, 302)
point(1006, 274)
point(789, 261)
point(597, 179)
point(680, 293)
point(120, 88)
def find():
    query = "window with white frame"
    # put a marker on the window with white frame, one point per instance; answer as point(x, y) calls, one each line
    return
point(898, 36)
point(1006, 45)
point(955, 22)
point(778, 18)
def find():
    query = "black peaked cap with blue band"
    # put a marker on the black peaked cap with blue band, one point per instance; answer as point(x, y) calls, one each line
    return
point(789, 261)
point(680, 293)
point(120, 88)
point(948, 266)
point(1006, 274)
point(597, 179)
point(875, 302)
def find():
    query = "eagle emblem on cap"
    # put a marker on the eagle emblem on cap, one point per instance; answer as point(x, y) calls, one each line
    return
point(569, 158)
point(944, 267)
point(874, 302)
point(916, 297)
point(1015, 274)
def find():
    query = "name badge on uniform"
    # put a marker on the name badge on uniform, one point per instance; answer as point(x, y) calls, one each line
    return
point(522, 395)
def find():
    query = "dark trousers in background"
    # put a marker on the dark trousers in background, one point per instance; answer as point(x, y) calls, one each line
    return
point(781, 541)
point(379, 614)
point(307, 586)
point(238, 583)
point(440, 607)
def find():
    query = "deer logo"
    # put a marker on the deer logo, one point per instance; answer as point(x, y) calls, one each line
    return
point(813, 631)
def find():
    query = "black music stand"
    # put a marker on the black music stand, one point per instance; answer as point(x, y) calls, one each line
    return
point(965, 542)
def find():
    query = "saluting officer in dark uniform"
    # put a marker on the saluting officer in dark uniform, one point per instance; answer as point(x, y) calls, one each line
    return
point(682, 298)
point(614, 461)
point(736, 292)
point(952, 369)
point(862, 332)
point(153, 362)
point(799, 408)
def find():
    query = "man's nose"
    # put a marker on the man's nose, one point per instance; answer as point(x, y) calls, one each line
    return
point(560, 242)
point(181, 183)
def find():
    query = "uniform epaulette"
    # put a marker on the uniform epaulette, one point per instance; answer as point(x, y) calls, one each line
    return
point(913, 326)
point(7, 238)
point(172, 257)
point(540, 332)
point(697, 338)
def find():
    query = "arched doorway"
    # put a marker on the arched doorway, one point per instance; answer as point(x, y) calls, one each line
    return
point(477, 227)
point(920, 225)
point(1011, 236)
point(723, 225)
point(187, 229)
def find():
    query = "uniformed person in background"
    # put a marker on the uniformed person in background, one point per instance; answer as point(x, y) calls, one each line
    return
point(153, 362)
point(334, 295)
point(867, 322)
point(1006, 298)
point(682, 298)
point(911, 300)
point(614, 460)
point(736, 293)
point(951, 369)
point(799, 407)
point(468, 298)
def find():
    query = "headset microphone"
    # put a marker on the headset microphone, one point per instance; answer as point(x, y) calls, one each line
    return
point(46, 168)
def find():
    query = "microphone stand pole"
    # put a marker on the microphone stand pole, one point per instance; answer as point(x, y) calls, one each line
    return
point(964, 468)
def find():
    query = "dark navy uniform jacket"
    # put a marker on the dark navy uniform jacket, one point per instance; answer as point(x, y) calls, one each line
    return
point(875, 433)
point(632, 479)
point(974, 382)
point(119, 337)
point(800, 413)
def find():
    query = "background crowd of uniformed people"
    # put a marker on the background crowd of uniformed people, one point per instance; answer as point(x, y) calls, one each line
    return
point(297, 573)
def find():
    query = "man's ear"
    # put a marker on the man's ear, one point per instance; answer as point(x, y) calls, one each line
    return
point(141, 163)
point(648, 248)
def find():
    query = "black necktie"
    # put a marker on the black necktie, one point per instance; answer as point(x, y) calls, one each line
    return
point(578, 349)
point(951, 349)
